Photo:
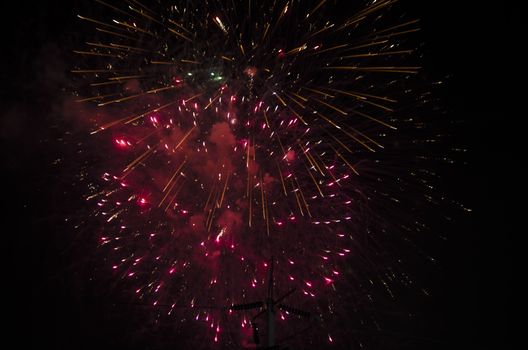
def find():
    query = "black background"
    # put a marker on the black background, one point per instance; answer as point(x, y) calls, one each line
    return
point(472, 41)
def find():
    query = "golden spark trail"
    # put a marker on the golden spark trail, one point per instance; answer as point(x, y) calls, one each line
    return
point(133, 96)
point(223, 191)
point(168, 192)
point(318, 92)
point(173, 176)
point(303, 198)
point(388, 69)
point(346, 132)
point(331, 106)
point(185, 137)
point(344, 160)
point(114, 33)
point(179, 35)
point(180, 187)
point(282, 179)
point(362, 95)
point(314, 181)
point(316, 8)
point(378, 54)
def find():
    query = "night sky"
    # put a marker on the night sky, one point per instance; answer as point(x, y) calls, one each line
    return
point(52, 298)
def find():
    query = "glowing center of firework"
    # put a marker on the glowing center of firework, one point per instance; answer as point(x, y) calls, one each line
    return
point(250, 71)
point(252, 118)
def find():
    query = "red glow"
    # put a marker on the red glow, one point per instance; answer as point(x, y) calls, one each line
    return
point(290, 155)
point(250, 71)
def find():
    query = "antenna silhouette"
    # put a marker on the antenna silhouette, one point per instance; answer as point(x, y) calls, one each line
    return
point(269, 309)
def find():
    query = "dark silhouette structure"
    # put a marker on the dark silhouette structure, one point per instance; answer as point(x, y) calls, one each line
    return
point(269, 308)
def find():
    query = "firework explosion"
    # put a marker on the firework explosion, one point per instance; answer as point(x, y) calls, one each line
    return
point(230, 132)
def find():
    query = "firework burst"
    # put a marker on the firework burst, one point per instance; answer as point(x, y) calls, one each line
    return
point(234, 131)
